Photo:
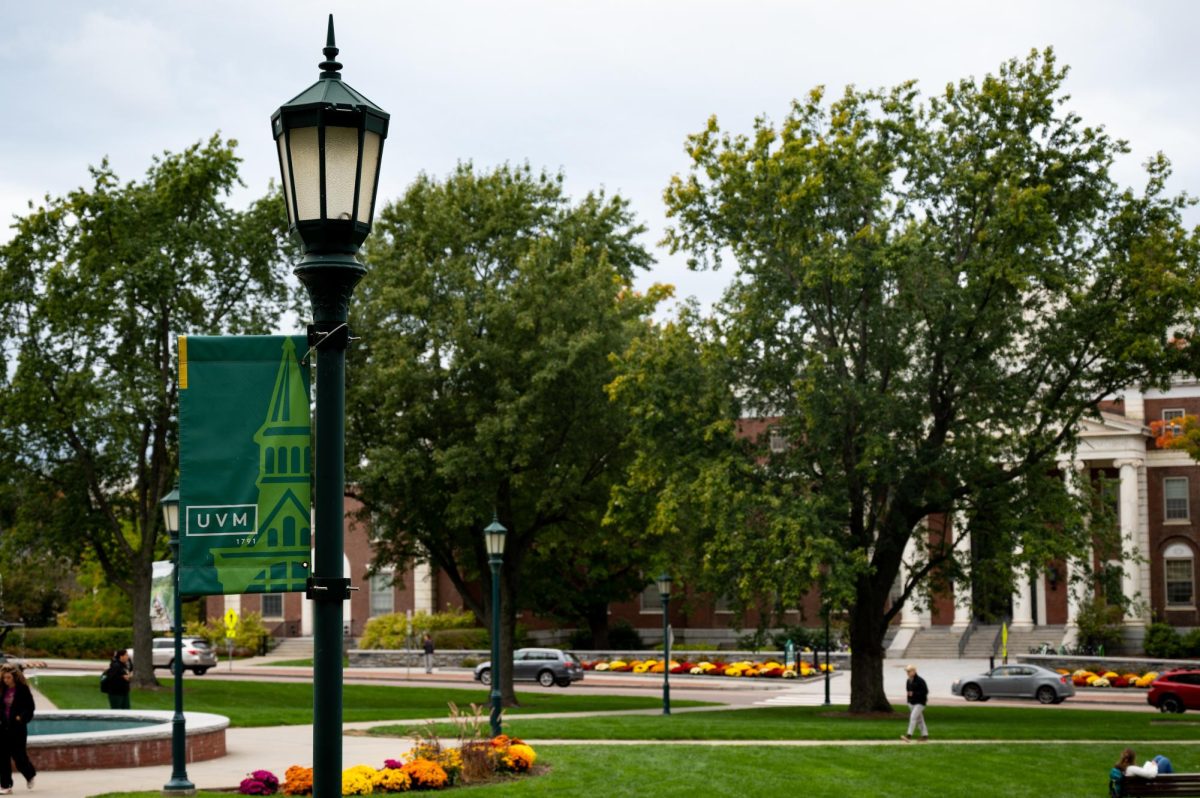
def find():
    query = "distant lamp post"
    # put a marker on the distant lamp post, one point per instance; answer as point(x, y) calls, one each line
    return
point(179, 783)
point(664, 590)
point(329, 139)
point(493, 541)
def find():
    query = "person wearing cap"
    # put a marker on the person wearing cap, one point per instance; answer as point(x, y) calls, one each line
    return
point(918, 694)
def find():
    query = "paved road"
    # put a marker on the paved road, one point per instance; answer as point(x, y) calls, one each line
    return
point(277, 748)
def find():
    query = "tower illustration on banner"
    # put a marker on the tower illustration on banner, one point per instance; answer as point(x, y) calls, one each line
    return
point(275, 561)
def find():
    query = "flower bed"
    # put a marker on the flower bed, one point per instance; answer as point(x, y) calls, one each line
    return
point(425, 767)
point(1101, 679)
point(741, 669)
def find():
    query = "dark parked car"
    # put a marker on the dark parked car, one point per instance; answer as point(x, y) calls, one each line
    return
point(1016, 681)
point(1176, 690)
point(546, 666)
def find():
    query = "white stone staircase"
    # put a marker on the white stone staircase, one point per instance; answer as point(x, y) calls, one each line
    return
point(293, 648)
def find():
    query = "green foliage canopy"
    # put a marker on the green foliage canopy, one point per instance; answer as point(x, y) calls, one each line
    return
point(94, 287)
point(487, 320)
point(930, 295)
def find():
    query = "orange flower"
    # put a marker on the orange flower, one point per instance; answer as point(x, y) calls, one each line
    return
point(297, 781)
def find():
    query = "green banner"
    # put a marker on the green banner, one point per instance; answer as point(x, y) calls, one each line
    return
point(245, 461)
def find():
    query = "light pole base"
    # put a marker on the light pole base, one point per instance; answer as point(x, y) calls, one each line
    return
point(179, 787)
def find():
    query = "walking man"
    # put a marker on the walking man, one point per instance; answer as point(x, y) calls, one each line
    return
point(428, 644)
point(918, 694)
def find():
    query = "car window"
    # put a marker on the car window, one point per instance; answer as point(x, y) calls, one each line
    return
point(199, 644)
point(163, 643)
point(571, 657)
point(1002, 672)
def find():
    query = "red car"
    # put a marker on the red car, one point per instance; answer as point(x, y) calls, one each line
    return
point(1176, 691)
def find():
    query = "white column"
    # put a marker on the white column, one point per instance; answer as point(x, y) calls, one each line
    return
point(1075, 569)
point(910, 618)
point(1131, 579)
point(1022, 605)
point(423, 598)
point(1039, 597)
point(962, 587)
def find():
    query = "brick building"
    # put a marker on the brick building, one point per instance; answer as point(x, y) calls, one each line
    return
point(1158, 509)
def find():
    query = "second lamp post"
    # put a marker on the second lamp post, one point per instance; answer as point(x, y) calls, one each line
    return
point(493, 541)
point(664, 590)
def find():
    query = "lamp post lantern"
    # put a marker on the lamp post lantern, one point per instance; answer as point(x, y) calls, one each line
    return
point(179, 783)
point(664, 590)
point(329, 139)
point(493, 541)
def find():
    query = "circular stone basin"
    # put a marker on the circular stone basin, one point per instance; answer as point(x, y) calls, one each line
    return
point(82, 739)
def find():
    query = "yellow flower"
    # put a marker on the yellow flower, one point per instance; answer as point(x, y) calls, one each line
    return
point(393, 780)
point(519, 758)
point(358, 780)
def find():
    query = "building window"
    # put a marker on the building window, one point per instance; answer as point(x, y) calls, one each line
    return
point(272, 606)
point(651, 599)
point(383, 596)
point(1179, 571)
point(1175, 493)
point(778, 442)
point(1170, 414)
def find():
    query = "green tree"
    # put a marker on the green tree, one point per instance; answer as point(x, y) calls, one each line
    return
point(930, 295)
point(488, 319)
point(94, 287)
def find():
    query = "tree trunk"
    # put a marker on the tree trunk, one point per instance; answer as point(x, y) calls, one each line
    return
point(866, 657)
point(508, 628)
point(596, 616)
point(143, 635)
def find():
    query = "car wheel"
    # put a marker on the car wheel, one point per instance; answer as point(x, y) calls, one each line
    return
point(1046, 694)
point(171, 666)
point(546, 678)
point(199, 671)
point(1171, 703)
point(971, 692)
point(485, 676)
point(564, 682)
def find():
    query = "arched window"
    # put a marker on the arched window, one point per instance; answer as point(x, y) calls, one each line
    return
point(1179, 572)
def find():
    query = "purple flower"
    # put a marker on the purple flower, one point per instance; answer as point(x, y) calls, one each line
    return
point(392, 764)
point(260, 782)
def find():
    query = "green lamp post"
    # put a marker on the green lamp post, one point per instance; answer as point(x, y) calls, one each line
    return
point(493, 541)
point(329, 140)
point(179, 783)
point(664, 590)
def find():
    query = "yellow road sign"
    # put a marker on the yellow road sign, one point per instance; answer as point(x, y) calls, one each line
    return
point(231, 621)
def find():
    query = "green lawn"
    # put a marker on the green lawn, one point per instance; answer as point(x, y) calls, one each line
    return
point(253, 703)
point(818, 723)
point(917, 771)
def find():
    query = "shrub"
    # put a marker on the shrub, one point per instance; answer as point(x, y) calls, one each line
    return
point(580, 639)
point(452, 639)
point(70, 643)
point(249, 636)
point(391, 631)
point(802, 637)
point(1162, 641)
point(622, 635)
point(1100, 624)
point(1190, 644)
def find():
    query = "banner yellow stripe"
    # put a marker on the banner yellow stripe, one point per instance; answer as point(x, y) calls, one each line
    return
point(183, 362)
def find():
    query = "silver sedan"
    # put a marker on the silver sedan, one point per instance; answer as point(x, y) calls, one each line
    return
point(1016, 681)
point(546, 666)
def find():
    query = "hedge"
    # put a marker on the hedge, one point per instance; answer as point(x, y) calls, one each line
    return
point(68, 642)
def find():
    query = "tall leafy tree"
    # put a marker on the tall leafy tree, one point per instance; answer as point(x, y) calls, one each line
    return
point(487, 321)
point(929, 296)
point(94, 287)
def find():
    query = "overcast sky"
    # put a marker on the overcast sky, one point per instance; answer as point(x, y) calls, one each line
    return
point(604, 91)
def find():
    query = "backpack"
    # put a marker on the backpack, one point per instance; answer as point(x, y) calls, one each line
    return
point(104, 682)
point(1116, 780)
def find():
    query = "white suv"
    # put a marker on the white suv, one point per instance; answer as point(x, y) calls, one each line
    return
point(198, 655)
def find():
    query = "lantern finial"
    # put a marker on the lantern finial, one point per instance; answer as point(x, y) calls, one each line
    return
point(330, 69)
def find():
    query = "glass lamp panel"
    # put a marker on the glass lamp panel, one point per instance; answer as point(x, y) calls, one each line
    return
point(341, 169)
point(286, 173)
point(370, 166)
point(306, 170)
point(171, 515)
